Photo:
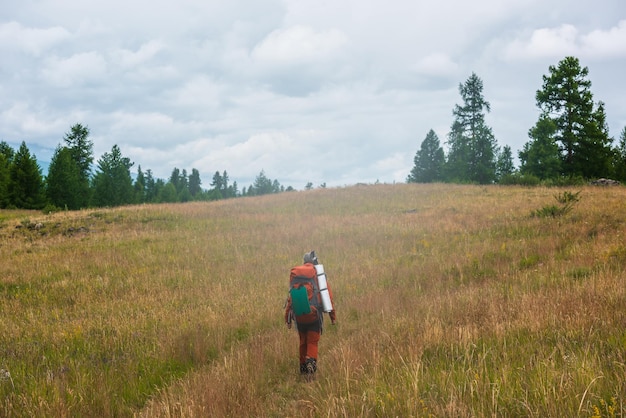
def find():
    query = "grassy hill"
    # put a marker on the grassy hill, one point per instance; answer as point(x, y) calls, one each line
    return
point(451, 301)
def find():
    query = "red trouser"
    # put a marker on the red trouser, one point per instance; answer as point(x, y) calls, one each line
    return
point(308, 344)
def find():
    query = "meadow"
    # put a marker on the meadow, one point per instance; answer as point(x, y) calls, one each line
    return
point(452, 301)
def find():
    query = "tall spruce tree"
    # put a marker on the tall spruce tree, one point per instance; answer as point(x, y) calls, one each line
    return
point(620, 157)
point(540, 156)
point(175, 180)
point(81, 149)
point(472, 145)
point(26, 185)
point(263, 185)
point(218, 186)
point(504, 163)
point(6, 156)
point(140, 186)
point(429, 161)
point(153, 187)
point(581, 132)
point(112, 183)
point(64, 182)
point(195, 183)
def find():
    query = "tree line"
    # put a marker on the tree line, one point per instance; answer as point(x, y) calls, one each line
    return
point(570, 142)
point(71, 184)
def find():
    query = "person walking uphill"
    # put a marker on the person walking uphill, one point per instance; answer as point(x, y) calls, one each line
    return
point(309, 297)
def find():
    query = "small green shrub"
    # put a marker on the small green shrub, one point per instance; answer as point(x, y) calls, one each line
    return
point(566, 202)
point(520, 179)
point(50, 208)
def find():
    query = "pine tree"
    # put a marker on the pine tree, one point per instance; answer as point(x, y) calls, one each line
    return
point(472, 153)
point(26, 186)
point(429, 161)
point(81, 148)
point(581, 131)
point(195, 183)
point(6, 157)
point(183, 192)
point(112, 184)
point(594, 155)
point(504, 164)
point(225, 186)
point(63, 184)
point(140, 186)
point(218, 184)
point(152, 190)
point(167, 194)
point(540, 157)
point(175, 179)
point(263, 185)
point(620, 157)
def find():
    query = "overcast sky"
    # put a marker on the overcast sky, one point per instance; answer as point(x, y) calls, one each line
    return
point(335, 92)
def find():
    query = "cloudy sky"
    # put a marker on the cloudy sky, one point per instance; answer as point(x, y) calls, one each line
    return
point(335, 92)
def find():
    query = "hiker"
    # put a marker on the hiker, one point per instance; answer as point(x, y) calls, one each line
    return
point(307, 308)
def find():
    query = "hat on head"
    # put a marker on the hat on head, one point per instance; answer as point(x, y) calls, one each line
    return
point(310, 257)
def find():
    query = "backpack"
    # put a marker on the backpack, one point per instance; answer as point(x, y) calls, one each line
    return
point(305, 294)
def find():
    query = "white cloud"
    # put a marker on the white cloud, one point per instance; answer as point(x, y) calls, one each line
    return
point(21, 117)
point(32, 40)
point(394, 164)
point(437, 64)
point(127, 59)
point(605, 43)
point(76, 70)
point(299, 45)
point(249, 85)
point(566, 39)
point(557, 42)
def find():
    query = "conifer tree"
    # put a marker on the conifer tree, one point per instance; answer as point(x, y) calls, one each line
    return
point(64, 182)
point(429, 161)
point(195, 183)
point(472, 154)
point(504, 163)
point(6, 156)
point(263, 185)
point(140, 186)
point(620, 157)
point(581, 131)
point(167, 194)
point(152, 191)
point(26, 186)
point(81, 149)
point(540, 156)
point(112, 183)
point(175, 179)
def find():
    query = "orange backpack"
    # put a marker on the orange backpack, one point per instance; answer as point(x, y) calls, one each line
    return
point(305, 294)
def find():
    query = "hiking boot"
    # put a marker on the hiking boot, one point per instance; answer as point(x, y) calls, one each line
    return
point(303, 369)
point(311, 366)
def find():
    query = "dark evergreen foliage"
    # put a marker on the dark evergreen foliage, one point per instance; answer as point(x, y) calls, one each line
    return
point(428, 162)
point(580, 131)
point(81, 149)
point(112, 184)
point(26, 186)
point(6, 157)
point(472, 154)
point(540, 157)
point(64, 187)
point(504, 163)
point(619, 157)
point(569, 142)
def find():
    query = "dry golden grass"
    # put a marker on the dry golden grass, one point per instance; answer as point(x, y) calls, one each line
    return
point(452, 301)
